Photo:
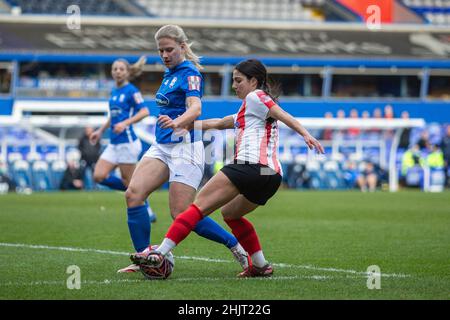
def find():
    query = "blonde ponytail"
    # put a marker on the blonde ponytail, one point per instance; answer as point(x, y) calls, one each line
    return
point(191, 56)
point(177, 34)
point(137, 67)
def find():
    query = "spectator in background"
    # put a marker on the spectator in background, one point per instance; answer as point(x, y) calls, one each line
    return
point(411, 158)
point(445, 146)
point(365, 115)
point(435, 159)
point(388, 112)
point(406, 133)
point(367, 178)
point(376, 115)
point(89, 152)
point(340, 114)
point(72, 179)
point(327, 133)
point(355, 131)
point(424, 140)
point(350, 173)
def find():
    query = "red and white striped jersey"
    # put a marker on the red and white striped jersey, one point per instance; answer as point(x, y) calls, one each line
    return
point(257, 133)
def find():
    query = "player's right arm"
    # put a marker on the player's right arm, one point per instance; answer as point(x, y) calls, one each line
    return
point(97, 134)
point(215, 123)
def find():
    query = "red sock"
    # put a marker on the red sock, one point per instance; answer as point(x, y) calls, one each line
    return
point(244, 231)
point(184, 223)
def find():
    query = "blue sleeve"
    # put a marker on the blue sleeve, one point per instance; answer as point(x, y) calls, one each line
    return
point(136, 99)
point(192, 84)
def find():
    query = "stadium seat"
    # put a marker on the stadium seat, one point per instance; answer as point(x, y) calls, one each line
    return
point(40, 176)
point(51, 157)
point(315, 175)
point(57, 169)
point(414, 177)
point(33, 156)
point(332, 175)
point(437, 179)
point(21, 174)
point(14, 156)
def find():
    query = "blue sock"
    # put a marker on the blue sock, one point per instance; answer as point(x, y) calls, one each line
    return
point(139, 226)
point(114, 183)
point(209, 229)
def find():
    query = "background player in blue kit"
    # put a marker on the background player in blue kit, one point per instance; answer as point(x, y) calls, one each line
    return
point(177, 156)
point(126, 107)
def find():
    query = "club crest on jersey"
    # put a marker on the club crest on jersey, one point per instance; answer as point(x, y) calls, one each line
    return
point(161, 100)
point(194, 82)
point(172, 83)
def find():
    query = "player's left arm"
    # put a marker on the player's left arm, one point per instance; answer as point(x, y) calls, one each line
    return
point(121, 126)
point(278, 113)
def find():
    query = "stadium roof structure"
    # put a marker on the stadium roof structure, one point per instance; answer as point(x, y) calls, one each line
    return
point(41, 38)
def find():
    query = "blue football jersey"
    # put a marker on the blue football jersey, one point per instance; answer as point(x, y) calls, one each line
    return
point(124, 103)
point(178, 83)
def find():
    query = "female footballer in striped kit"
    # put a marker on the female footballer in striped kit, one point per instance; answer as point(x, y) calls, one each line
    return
point(253, 178)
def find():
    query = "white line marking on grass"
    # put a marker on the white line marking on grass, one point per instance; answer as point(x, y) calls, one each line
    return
point(115, 281)
point(281, 265)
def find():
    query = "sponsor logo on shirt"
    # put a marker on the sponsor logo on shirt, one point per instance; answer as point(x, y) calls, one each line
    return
point(161, 100)
point(115, 111)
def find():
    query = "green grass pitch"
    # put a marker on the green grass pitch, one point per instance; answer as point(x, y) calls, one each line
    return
point(321, 244)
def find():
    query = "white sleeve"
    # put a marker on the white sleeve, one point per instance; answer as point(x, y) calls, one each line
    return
point(256, 106)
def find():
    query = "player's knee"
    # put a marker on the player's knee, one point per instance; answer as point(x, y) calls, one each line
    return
point(132, 197)
point(99, 177)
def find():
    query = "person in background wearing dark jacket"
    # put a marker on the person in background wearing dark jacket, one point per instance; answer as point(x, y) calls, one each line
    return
point(89, 152)
point(72, 179)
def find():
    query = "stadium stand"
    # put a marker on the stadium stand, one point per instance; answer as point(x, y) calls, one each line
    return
point(249, 9)
point(88, 7)
point(55, 81)
point(433, 11)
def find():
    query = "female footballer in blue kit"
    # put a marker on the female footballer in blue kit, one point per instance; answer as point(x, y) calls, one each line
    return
point(126, 107)
point(178, 155)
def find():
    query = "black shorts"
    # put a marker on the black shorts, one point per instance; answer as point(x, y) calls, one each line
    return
point(256, 182)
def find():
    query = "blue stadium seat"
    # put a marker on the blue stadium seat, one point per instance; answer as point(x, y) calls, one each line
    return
point(437, 177)
point(315, 174)
point(57, 169)
point(31, 157)
point(414, 176)
point(13, 157)
point(40, 176)
point(332, 175)
point(21, 174)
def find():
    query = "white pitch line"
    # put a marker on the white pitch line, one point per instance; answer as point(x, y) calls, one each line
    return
point(115, 281)
point(281, 265)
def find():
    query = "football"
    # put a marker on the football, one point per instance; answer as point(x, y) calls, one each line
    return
point(162, 272)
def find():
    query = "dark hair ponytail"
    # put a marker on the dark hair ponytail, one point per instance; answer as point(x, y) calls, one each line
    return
point(253, 68)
